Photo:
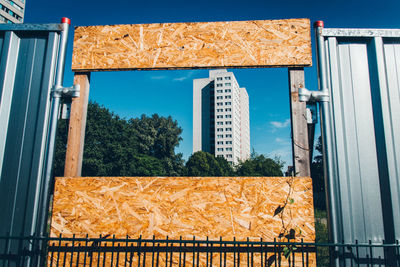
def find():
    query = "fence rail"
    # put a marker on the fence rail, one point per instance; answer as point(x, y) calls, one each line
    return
point(111, 251)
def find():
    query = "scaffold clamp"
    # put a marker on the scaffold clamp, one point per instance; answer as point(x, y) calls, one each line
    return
point(306, 95)
point(66, 92)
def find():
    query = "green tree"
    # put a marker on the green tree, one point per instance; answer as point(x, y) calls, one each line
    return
point(225, 166)
point(259, 165)
point(157, 136)
point(205, 164)
point(108, 146)
point(144, 165)
point(60, 148)
point(119, 147)
point(317, 175)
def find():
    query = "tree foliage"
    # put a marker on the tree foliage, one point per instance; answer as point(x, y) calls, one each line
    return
point(225, 166)
point(118, 147)
point(317, 175)
point(259, 165)
point(205, 164)
point(157, 136)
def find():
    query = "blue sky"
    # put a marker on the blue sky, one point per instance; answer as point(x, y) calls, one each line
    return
point(133, 93)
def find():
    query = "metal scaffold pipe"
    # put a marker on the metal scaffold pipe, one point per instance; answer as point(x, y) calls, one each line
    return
point(55, 109)
point(327, 135)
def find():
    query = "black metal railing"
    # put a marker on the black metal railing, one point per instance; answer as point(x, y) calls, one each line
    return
point(111, 251)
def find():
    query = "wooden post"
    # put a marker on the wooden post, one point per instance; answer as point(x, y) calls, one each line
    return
point(300, 147)
point(77, 125)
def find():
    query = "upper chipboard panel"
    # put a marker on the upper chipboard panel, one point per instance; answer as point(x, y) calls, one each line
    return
point(234, 44)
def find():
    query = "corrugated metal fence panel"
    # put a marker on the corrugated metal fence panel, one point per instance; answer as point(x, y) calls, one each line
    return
point(1, 41)
point(392, 124)
point(354, 139)
point(27, 69)
point(363, 76)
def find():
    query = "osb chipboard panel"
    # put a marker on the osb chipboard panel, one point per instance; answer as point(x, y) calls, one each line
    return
point(228, 207)
point(257, 43)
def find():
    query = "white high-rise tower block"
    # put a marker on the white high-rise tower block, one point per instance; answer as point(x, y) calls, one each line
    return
point(221, 123)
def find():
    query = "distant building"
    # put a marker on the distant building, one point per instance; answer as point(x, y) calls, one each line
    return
point(12, 11)
point(221, 123)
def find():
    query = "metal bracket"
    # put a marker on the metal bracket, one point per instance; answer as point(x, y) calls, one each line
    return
point(66, 92)
point(311, 113)
point(306, 95)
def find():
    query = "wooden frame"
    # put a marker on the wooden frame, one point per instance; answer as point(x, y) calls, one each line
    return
point(238, 44)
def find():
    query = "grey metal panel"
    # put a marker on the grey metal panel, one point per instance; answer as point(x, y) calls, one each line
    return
point(44, 108)
point(361, 128)
point(8, 65)
point(391, 113)
point(31, 27)
point(332, 32)
point(29, 101)
point(357, 166)
point(1, 41)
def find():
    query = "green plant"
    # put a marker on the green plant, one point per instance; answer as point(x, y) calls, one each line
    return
point(288, 231)
point(321, 236)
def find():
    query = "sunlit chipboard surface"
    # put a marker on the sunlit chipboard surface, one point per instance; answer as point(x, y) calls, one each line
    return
point(184, 206)
point(257, 43)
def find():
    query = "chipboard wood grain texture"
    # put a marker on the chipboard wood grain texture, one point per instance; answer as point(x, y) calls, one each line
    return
point(183, 206)
point(257, 43)
point(216, 207)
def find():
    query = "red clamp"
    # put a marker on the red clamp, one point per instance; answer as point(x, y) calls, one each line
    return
point(66, 20)
point(319, 23)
